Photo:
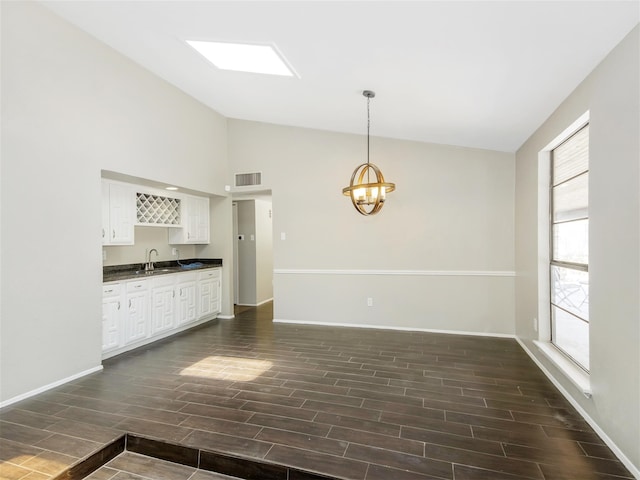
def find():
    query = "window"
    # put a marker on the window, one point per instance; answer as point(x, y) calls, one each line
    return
point(569, 249)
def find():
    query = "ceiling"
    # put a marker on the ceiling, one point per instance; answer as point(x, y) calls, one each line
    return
point(475, 73)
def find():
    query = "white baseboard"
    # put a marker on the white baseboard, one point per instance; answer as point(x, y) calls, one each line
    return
point(44, 388)
point(255, 304)
point(635, 471)
point(389, 327)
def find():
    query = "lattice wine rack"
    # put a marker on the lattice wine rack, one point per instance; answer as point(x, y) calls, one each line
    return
point(157, 210)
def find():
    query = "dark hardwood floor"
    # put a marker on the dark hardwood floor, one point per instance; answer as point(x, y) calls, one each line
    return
point(347, 403)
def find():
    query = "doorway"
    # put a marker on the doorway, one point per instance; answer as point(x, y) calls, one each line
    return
point(253, 249)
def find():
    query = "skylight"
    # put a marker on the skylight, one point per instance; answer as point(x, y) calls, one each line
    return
point(243, 57)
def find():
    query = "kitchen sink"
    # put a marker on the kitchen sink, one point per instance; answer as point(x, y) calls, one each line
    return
point(151, 272)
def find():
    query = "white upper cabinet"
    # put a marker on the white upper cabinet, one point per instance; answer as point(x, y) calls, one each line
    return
point(126, 205)
point(195, 222)
point(118, 213)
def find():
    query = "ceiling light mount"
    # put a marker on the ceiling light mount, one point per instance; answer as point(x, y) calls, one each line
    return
point(368, 197)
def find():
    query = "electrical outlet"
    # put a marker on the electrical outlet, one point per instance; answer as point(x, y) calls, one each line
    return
point(174, 251)
point(104, 254)
point(369, 302)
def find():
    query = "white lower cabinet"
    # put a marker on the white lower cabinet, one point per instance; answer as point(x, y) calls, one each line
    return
point(209, 283)
point(187, 298)
point(134, 312)
point(163, 310)
point(111, 318)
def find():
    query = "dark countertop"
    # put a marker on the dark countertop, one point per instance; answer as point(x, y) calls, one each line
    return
point(136, 270)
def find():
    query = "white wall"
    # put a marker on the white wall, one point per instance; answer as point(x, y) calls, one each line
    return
point(452, 213)
point(247, 252)
point(146, 238)
point(264, 251)
point(611, 95)
point(71, 106)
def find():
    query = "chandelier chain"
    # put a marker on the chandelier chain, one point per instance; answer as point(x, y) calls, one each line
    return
point(368, 128)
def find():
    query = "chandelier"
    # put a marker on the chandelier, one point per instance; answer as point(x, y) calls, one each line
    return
point(367, 188)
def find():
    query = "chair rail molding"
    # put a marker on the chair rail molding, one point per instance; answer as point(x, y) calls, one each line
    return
point(422, 273)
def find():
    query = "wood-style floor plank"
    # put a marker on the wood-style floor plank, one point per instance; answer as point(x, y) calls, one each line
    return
point(352, 404)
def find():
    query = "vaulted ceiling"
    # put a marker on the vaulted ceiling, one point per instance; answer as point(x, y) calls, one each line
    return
point(470, 73)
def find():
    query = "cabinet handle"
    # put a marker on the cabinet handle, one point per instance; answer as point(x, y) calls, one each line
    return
point(109, 291)
point(188, 235)
point(129, 304)
point(118, 304)
point(113, 233)
point(103, 233)
point(174, 294)
point(137, 286)
point(180, 292)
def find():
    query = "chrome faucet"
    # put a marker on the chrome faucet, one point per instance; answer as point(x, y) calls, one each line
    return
point(149, 266)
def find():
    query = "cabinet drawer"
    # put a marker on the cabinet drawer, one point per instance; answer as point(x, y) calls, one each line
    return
point(186, 277)
point(111, 290)
point(209, 273)
point(163, 281)
point(137, 286)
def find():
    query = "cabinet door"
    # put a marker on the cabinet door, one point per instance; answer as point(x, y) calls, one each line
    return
point(206, 294)
point(136, 313)
point(110, 322)
point(106, 229)
point(187, 304)
point(209, 292)
point(195, 223)
point(162, 308)
point(216, 301)
point(200, 220)
point(121, 214)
